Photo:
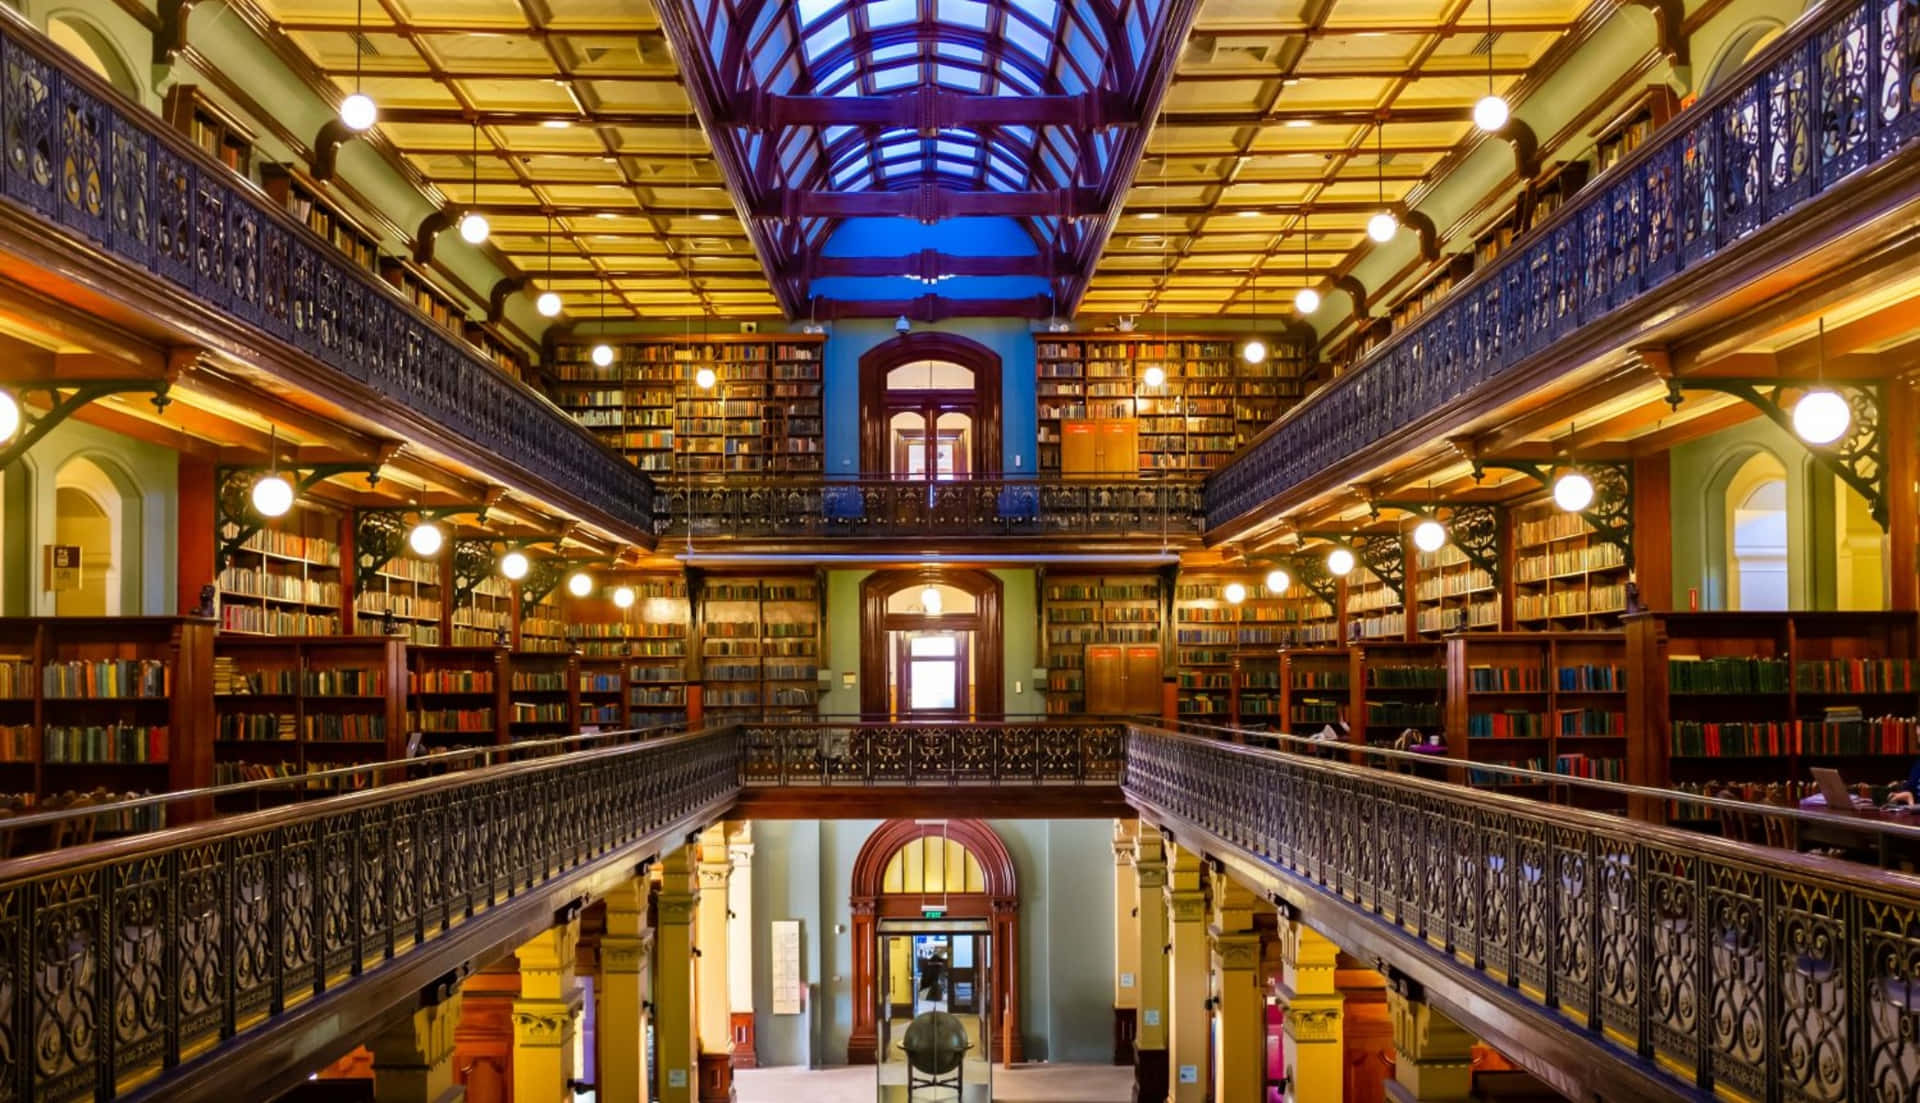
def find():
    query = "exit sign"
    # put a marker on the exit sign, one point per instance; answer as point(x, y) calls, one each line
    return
point(931, 913)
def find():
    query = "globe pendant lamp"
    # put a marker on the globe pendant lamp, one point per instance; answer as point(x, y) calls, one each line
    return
point(358, 112)
point(1572, 490)
point(514, 566)
point(1340, 562)
point(1429, 535)
point(623, 597)
point(1383, 225)
point(548, 304)
point(1277, 582)
point(1306, 300)
point(1255, 350)
point(1491, 113)
point(272, 493)
point(1822, 415)
point(426, 539)
point(473, 225)
point(603, 352)
point(1235, 593)
point(580, 584)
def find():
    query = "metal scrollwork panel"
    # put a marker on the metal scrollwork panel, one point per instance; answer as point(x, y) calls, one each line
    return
point(1889, 1052)
point(1738, 996)
point(141, 993)
point(1814, 1039)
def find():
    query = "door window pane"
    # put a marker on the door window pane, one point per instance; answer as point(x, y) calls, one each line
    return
point(935, 684)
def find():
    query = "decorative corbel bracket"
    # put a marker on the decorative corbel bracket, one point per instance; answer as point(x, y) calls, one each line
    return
point(543, 575)
point(1474, 528)
point(1858, 459)
point(68, 397)
point(379, 534)
point(1380, 553)
point(1610, 515)
point(1311, 571)
point(234, 503)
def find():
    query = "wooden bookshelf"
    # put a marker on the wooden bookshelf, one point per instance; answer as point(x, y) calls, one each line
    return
point(1206, 632)
point(308, 202)
point(1547, 701)
point(1397, 686)
point(210, 126)
point(290, 705)
point(760, 646)
point(543, 695)
point(763, 416)
point(654, 664)
point(1098, 415)
point(543, 625)
point(1624, 132)
point(1316, 687)
point(410, 590)
point(1374, 610)
point(458, 696)
point(285, 579)
point(1453, 595)
point(487, 618)
point(1564, 576)
point(1103, 646)
point(1762, 697)
point(1256, 690)
point(119, 704)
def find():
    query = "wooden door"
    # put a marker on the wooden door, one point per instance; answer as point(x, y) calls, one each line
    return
point(1119, 446)
point(1143, 681)
point(1106, 681)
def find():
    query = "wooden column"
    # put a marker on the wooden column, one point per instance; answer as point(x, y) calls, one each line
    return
point(1240, 1027)
point(1902, 475)
point(620, 1029)
point(199, 521)
point(675, 1043)
point(544, 1014)
point(1187, 986)
point(1432, 1056)
point(483, 1041)
point(1366, 1031)
point(712, 1015)
point(413, 1061)
point(1311, 1035)
point(1126, 940)
point(1653, 530)
point(1150, 1039)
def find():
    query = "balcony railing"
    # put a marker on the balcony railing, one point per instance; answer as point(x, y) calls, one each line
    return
point(1003, 754)
point(762, 506)
point(1837, 93)
point(1750, 971)
point(106, 171)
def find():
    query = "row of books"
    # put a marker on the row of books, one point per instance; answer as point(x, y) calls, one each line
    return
point(253, 727)
point(1854, 676)
point(107, 678)
point(1591, 722)
point(228, 680)
point(263, 621)
point(451, 720)
point(450, 681)
point(1510, 724)
point(540, 681)
point(1406, 677)
point(1833, 735)
point(1506, 679)
point(1726, 675)
point(291, 545)
point(1320, 679)
point(104, 743)
point(1573, 561)
point(1592, 678)
point(552, 712)
point(1608, 768)
point(1403, 714)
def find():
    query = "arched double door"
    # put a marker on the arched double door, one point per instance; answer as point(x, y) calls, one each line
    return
point(930, 409)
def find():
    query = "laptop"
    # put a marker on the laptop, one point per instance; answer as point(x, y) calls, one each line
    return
point(1832, 789)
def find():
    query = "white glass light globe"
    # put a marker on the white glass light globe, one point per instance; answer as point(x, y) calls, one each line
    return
point(1340, 562)
point(602, 355)
point(272, 495)
point(358, 111)
point(1155, 376)
point(1306, 300)
point(548, 304)
point(514, 565)
point(931, 603)
point(9, 415)
point(1491, 113)
point(474, 228)
point(1573, 491)
point(1822, 416)
point(1429, 535)
point(1278, 581)
point(1254, 351)
point(705, 379)
point(623, 597)
point(425, 539)
point(1235, 593)
point(580, 584)
point(1382, 227)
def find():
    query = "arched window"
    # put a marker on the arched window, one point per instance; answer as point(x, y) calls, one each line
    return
point(1757, 568)
point(93, 50)
point(930, 408)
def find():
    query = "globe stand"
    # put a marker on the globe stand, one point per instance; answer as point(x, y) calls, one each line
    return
point(936, 1046)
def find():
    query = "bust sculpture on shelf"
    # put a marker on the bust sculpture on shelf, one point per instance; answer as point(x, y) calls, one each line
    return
point(936, 1046)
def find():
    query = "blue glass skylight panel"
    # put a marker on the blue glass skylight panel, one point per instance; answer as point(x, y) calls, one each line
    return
point(955, 51)
point(889, 13)
point(963, 13)
point(895, 52)
point(839, 80)
point(831, 34)
point(897, 77)
point(811, 10)
point(957, 77)
point(1027, 37)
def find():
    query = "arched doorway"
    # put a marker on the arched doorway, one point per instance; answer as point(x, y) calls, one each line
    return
point(90, 514)
point(1757, 568)
point(931, 645)
point(930, 408)
point(975, 879)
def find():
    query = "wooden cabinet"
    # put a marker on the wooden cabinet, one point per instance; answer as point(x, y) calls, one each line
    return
point(1100, 446)
point(1123, 680)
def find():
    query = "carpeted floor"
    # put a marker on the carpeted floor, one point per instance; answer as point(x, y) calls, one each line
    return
point(1032, 1084)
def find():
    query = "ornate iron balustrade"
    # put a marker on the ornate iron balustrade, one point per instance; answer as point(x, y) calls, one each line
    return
point(118, 958)
point(1836, 94)
point(1770, 974)
point(75, 154)
point(752, 506)
point(1038, 753)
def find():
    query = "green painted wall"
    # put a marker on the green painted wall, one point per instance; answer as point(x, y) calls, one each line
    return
point(803, 869)
point(1019, 610)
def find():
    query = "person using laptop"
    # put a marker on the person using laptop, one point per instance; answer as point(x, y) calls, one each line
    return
point(1905, 793)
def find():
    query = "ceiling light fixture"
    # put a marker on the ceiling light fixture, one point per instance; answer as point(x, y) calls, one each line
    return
point(1383, 225)
point(473, 225)
point(514, 565)
point(1572, 489)
point(1429, 535)
point(1491, 113)
point(426, 538)
point(705, 378)
point(272, 492)
point(603, 352)
point(1235, 593)
point(1340, 562)
point(358, 112)
point(1822, 415)
point(931, 603)
point(580, 584)
point(1278, 582)
point(1306, 300)
point(548, 304)
point(623, 597)
point(1155, 376)
point(9, 415)
point(556, 124)
point(1255, 350)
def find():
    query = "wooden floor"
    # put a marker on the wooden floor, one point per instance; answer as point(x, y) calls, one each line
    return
point(1030, 1084)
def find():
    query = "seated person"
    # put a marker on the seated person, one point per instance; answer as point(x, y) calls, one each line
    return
point(1905, 792)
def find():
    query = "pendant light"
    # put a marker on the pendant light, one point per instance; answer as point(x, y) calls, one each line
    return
point(623, 597)
point(1306, 300)
point(1572, 489)
point(1235, 593)
point(1340, 562)
point(603, 352)
point(358, 112)
point(473, 225)
point(1430, 535)
point(931, 603)
point(1278, 582)
point(1822, 415)
point(1491, 113)
point(9, 415)
point(1255, 350)
point(1383, 225)
point(580, 584)
point(273, 494)
point(426, 538)
point(548, 304)
point(1154, 376)
point(514, 565)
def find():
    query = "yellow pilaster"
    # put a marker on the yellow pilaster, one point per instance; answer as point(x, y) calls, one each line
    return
point(1240, 1027)
point(714, 1011)
point(413, 1061)
point(1311, 1035)
point(621, 1031)
point(1150, 1039)
point(1126, 917)
point(543, 1016)
point(1432, 1056)
point(1187, 980)
point(673, 983)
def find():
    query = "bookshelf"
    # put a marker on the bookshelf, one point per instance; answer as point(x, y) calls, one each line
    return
point(458, 696)
point(1565, 576)
point(407, 588)
point(1453, 595)
point(1103, 644)
point(284, 580)
point(1206, 632)
point(543, 624)
point(1762, 697)
point(1548, 701)
point(1256, 689)
point(1374, 611)
point(1397, 686)
point(654, 661)
point(544, 694)
point(210, 126)
point(1316, 687)
point(307, 202)
point(487, 618)
point(1093, 397)
point(1622, 134)
point(760, 647)
point(763, 416)
point(122, 703)
point(288, 705)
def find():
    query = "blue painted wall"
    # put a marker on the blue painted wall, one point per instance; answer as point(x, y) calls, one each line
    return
point(902, 237)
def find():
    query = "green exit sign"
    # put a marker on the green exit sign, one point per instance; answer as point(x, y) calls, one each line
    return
point(931, 913)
